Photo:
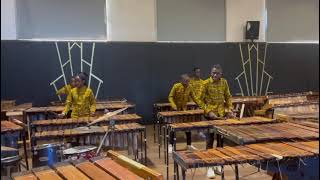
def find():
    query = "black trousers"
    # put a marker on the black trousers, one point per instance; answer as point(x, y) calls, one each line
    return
point(188, 134)
point(210, 139)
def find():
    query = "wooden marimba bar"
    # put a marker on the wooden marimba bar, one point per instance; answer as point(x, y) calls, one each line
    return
point(253, 153)
point(93, 137)
point(116, 167)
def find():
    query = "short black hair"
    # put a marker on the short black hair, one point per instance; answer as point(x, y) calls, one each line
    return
point(194, 69)
point(217, 66)
point(83, 76)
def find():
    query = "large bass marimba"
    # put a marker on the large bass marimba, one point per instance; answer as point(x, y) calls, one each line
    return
point(115, 166)
point(253, 154)
point(207, 125)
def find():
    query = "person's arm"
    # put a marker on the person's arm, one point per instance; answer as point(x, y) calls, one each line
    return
point(68, 105)
point(227, 96)
point(62, 91)
point(92, 102)
point(171, 98)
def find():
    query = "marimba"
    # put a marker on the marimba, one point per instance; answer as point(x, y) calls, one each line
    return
point(13, 130)
point(281, 99)
point(305, 111)
point(247, 104)
point(160, 107)
point(43, 113)
point(207, 125)
point(168, 117)
point(95, 135)
point(10, 110)
point(253, 153)
point(5, 105)
point(60, 124)
point(115, 166)
point(245, 134)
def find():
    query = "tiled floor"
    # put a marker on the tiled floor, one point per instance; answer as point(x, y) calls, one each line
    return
point(247, 172)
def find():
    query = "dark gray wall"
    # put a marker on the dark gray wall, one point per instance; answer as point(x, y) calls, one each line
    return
point(144, 72)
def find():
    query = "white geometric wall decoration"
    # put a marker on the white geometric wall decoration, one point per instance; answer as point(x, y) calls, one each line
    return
point(68, 62)
point(253, 80)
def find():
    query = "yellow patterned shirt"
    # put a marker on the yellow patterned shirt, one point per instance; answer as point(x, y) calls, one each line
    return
point(197, 86)
point(65, 90)
point(179, 96)
point(216, 97)
point(82, 101)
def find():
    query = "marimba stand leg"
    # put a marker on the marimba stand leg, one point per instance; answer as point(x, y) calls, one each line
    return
point(145, 147)
point(141, 148)
point(222, 173)
point(167, 151)
point(183, 174)
point(154, 133)
point(237, 172)
point(164, 144)
point(29, 130)
point(159, 138)
point(176, 168)
point(25, 148)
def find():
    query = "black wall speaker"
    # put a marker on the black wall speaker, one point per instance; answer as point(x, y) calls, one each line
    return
point(252, 30)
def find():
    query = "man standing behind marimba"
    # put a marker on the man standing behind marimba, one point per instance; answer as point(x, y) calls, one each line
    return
point(81, 99)
point(196, 82)
point(179, 96)
point(216, 103)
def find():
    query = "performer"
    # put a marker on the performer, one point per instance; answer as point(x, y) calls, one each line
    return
point(216, 102)
point(196, 82)
point(81, 99)
point(179, 95)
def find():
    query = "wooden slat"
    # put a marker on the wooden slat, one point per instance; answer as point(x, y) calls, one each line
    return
point(70, 172)
point(303, 147)
point(116, 170)
point(47, 174)
point(135, 167)
point(93, 171)
point(25, 175)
